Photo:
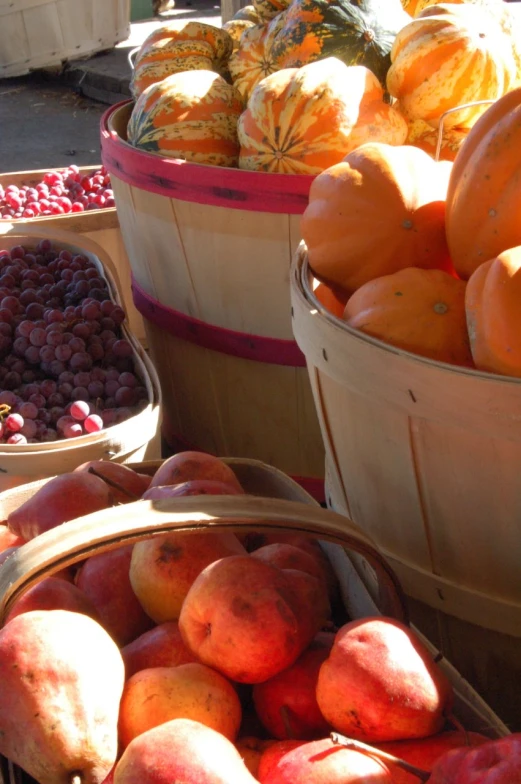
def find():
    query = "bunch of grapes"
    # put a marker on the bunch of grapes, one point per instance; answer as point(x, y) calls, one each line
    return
point(59, 193)
point(65, 368)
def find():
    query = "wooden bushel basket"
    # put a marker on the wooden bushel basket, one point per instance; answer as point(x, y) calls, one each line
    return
point(101, 225)
point(274, 503)
point(134, 439)
point(425, 457)
point(210, 250)
point(43, 33)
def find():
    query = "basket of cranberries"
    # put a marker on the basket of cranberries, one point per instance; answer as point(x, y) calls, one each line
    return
point(75, 384)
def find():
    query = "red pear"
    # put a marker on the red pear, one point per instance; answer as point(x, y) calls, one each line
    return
point(64, 498)
point(272, 754)
point(496, 762)
point(286, 556)
point(190, 691)
point(132, 484)
point(62, 679)
point(53, 593)
point(105, 580)
point(423, 753)
point(381, 683)
point(287, 704)
point(251, 750)
point(322, 762)
point(310, 599)
point(182, 751)
point(163, 568)
point(162, 646)
point(241, 617)
point(187, 466)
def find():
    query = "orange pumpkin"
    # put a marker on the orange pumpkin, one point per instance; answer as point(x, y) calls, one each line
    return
point(176, 48)
point(426, 138)
point(493, 314)
point(484, 194)
point(417, 310)
point(191, 115)
point(448, 56)
point(304, 120)
point(252, 61)
point(333, 299)
point(380, 210)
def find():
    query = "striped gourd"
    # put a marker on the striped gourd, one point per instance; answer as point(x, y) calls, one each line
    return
point(253, 61)
point(171, 49)
point(301, 121)
point(236, 28)
point(191, 115)
point(450, 55)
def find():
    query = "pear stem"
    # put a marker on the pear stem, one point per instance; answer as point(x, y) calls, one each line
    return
point(116, 486)
point(357, 745)
point(459, 726)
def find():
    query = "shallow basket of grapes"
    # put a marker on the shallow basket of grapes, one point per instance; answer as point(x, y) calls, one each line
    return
point(77, 199)
point(75, 383)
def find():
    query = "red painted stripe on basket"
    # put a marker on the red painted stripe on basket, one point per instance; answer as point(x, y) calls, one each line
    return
point(234, 189)
point(315, 487)
point(272, 351)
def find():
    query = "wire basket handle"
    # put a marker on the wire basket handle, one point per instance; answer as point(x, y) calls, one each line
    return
point(450, 111)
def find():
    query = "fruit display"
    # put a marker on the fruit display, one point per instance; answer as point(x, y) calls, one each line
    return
point(60, 192)
point(66, 367)
point(251, 676)
point(448, 56)
point(425, 255)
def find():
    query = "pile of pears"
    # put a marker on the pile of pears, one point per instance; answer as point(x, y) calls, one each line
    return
point(215, 658)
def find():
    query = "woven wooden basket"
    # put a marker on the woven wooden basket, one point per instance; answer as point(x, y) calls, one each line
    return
point(134, 439)
point(274, 503)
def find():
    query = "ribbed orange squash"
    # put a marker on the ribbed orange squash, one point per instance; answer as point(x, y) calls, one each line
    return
point(252, 61)
point(484, 194)
point(417, 310)
point(382, 209)
point(172, 49)
point(333, 299)
point(304, 120)
point(191, 115)
point(494, 314)
point(426, 138)
point(448, 56)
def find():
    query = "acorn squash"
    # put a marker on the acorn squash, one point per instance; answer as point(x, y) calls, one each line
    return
point(358, 32)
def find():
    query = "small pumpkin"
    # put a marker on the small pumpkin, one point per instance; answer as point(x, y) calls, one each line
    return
point(448, 56)
point(269, 9)
point(175, 48)
point(426, 138)
point(416, 310)
point(484, 194)
point(236, 28)
point(252, 61)
point(333, 299)
point(378, 211)
point(493, 314)
point(190, 115)
point(302, 120)
point(358, 32)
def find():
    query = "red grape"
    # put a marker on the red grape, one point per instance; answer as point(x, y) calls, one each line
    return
point(80, 393)
point(17, 438)
point(29, 429)
point(28, 411)
point(80, 409)
point(93, 423)
point(14, 422)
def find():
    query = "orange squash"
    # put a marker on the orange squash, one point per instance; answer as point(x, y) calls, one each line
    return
point(304, 120)
point(333, 299)
point(448, 56)
point(236, 29)
point(494, 314)
point(417, 310)
point(176, 48)
point(191, 115)
point(426, 138)
point(420, 5)
point(484, 194)
point(252, 60)
point(380, 210)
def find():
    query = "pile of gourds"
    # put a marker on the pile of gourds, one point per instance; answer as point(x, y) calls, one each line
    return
point(294, 86)
point(426, 255)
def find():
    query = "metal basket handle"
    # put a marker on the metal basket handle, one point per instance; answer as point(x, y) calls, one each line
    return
point(450, 111)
